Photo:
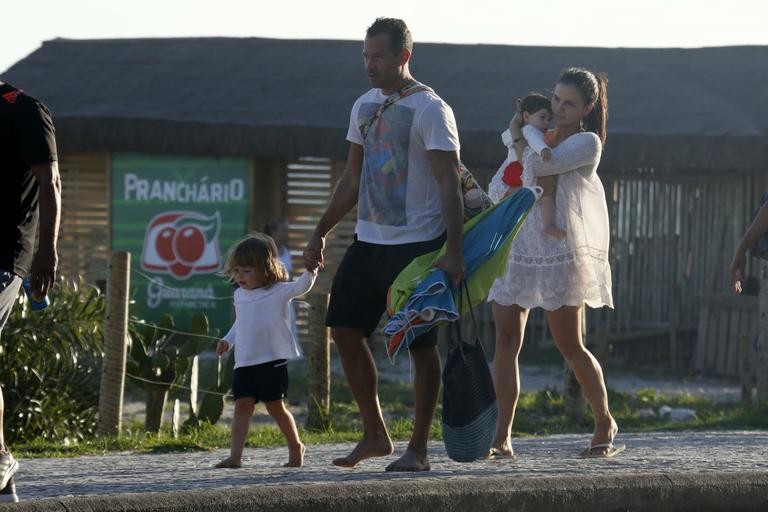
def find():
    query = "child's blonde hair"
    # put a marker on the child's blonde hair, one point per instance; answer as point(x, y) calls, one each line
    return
point(255, 250)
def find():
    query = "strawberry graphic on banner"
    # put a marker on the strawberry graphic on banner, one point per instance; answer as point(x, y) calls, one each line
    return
point(182, 244)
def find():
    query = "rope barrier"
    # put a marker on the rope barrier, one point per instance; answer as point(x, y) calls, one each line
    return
point(179, 386)
point(228, 297)
point(142, 322)
point(163, 285)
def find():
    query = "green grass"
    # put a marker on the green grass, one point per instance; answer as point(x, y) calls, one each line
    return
point(539, 413)
point(543, 413)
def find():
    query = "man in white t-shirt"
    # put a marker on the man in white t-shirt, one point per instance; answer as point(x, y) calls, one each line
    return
point(402, 173)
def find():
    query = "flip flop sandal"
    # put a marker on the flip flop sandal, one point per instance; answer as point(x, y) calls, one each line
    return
point(495, 453)
point(611, 450)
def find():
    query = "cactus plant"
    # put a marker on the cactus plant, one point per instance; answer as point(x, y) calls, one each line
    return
point(211, 406)
point(162, 357)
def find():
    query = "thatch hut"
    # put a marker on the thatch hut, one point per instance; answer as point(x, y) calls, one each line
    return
point(685, 162)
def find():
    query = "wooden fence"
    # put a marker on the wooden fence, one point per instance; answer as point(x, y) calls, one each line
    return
point(724, 321)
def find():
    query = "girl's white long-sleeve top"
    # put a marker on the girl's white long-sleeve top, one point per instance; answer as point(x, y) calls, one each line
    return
point(262, 328)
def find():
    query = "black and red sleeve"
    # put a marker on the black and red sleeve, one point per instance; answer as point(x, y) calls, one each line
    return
point(36, 135)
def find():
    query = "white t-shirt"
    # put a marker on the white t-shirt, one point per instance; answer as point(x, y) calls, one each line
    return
point(399, 200)
point(262, 328)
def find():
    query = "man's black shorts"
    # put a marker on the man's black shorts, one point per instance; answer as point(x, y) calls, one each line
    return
point(359, 291)
point(264, 382)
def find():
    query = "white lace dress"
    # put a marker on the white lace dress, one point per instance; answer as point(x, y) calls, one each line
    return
point(543, 271)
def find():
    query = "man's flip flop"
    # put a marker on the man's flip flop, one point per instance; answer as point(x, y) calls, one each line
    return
point(495, 453)
point(611, 450)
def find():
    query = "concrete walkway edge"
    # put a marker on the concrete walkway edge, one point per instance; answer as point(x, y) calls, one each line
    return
point(747, 491)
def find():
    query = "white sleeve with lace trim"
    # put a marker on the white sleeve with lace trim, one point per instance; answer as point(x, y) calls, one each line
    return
point(577, 151)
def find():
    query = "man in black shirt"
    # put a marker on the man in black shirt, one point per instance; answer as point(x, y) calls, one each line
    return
point(31, 190)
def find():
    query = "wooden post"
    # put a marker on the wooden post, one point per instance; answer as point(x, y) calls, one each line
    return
point(175, 421)
point(602, 349)
point(745, 375)
point(674, 320)
point(575, 405)
point(319, 378)
point(115, 345)
point(194, 379)
point(762, 341)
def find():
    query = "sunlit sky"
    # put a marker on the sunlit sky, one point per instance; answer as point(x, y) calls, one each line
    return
point(610, 23)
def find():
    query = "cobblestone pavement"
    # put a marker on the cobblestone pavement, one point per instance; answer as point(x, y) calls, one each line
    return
point(679, 452)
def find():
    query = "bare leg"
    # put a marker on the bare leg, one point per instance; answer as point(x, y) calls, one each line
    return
point(565, 324)
point(426, 386)
point(510, 327)
point(360, 369)
point(547, 209)
point(287, 426)
point(240, 424)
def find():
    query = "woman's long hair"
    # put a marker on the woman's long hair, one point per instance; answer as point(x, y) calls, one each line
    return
point(593, 88)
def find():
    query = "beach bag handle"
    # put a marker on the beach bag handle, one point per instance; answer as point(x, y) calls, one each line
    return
point(464, 290)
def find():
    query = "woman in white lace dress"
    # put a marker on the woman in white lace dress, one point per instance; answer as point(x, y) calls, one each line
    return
point(559, 275)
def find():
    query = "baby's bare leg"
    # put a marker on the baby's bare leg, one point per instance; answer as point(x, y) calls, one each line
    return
point(547, 206)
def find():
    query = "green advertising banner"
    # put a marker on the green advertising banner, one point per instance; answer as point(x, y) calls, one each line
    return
point(178, 217)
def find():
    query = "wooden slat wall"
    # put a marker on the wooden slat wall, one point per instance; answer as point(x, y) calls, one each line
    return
point(84, 230)
point(724, 320)
point(307, 186)
point(674, 233)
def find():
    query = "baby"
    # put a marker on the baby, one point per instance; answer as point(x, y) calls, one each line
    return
point(537, 113)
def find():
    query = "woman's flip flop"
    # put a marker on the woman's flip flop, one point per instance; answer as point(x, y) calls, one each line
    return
point(611, 450)
point(495, 453)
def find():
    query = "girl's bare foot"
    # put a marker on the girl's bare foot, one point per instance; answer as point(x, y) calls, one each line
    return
point(295, 457)
point(229, 462)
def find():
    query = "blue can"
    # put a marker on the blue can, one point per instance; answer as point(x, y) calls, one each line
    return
point(35, 304)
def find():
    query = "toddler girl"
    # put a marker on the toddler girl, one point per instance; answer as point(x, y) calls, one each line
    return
point(263, 341)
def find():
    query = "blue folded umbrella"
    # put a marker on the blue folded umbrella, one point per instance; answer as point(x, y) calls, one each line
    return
point(421, 296)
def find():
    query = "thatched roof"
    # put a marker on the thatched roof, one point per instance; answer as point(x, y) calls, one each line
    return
point(682, 110)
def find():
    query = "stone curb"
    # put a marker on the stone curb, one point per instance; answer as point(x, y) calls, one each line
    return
point(747, 491)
